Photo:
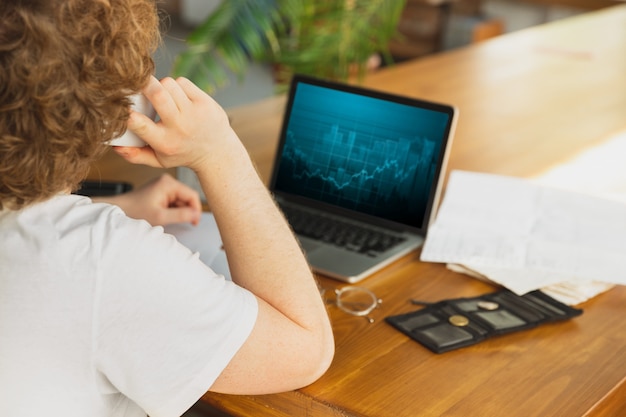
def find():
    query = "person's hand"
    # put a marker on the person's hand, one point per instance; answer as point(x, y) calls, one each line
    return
point(160, 202)
point(193, 129)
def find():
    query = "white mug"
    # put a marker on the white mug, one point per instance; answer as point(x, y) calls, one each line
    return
point(141, 105)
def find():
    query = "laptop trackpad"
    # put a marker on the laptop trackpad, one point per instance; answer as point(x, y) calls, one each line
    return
point(337, 262)
point(309, 245)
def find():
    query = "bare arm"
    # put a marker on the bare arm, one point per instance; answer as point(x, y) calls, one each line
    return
point(292, 343)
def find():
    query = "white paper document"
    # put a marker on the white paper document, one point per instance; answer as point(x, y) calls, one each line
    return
point(526, 236)
point(205, 239)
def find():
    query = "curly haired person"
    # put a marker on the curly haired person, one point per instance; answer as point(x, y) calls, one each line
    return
point(102, 313)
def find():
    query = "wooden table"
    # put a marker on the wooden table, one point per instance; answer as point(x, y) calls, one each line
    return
point(527, 101)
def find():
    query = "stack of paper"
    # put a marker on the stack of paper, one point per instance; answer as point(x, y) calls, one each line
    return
point(529, 234)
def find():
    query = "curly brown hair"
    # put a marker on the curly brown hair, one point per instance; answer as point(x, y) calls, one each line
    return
point(67, 68)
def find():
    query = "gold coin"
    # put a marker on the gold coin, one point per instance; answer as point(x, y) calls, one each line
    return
point(458, 320)
point(488, 305)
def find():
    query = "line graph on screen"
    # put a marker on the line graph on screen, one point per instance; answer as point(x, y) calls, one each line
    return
point(358, 169)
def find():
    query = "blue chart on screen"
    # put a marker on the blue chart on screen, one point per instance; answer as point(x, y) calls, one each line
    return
point(362, 153)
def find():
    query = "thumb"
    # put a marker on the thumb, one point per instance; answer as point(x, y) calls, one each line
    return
point(146, 129)
point(142, 125)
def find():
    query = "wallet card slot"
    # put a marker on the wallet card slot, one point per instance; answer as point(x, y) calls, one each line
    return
point(476, 328)
point(525, 311)
point(412, 322)
point(466, 304)
point(446, 335)
point(535, 307)
point(502, 320)
point(448, 310)
point(544, 304)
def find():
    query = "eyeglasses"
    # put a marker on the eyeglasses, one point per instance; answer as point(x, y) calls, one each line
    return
point(357, 301)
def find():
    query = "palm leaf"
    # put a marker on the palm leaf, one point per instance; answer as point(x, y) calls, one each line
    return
point(321, 38)
point(234, 34)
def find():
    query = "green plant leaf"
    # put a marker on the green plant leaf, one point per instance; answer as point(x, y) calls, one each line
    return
point(329, 39)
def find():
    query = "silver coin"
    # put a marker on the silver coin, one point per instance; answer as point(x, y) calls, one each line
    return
point(488, 305)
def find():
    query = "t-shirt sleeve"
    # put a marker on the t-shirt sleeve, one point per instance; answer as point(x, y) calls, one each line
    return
point(165, 325)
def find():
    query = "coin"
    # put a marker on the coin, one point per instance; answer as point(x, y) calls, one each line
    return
point(488, 305)
point(458, 320)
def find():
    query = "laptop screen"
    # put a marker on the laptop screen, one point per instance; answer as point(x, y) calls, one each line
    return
point(361, 151)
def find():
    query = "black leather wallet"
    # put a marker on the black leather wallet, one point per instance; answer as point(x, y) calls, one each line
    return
point(456, 323)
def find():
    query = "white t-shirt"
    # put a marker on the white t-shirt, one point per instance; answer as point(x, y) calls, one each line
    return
point(103, 315)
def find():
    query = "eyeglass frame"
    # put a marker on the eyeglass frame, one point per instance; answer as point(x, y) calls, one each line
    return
point(375, 301)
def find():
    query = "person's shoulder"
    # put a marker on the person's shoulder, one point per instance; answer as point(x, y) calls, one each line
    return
point(76, 211)
point(79, 215)
point(109, 231)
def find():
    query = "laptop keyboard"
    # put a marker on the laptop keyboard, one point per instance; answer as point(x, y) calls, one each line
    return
point(344, 234)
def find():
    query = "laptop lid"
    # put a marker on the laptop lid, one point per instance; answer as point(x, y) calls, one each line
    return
point(362, 153)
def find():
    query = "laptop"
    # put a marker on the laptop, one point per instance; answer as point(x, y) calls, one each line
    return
point(358, 173)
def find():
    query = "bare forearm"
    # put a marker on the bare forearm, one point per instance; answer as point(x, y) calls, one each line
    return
point(263, 254)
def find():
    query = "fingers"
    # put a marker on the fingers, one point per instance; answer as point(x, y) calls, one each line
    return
point(181, 215)
point(182, 202)
point(161, 99)
point(170, 102)
point(167, 96)
point(187, 197)
point(141, 125)
point(192, 91)
point(177, 93)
